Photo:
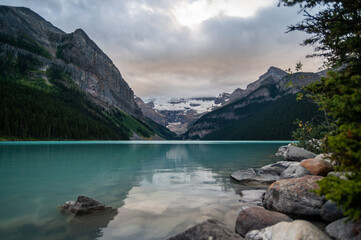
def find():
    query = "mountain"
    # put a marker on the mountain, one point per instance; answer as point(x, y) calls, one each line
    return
point(60, 85)
point(176, 113)
point(267, 109)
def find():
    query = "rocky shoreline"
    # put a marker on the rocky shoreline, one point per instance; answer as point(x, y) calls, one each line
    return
point(288, 210)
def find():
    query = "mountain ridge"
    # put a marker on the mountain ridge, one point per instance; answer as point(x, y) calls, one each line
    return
point(76, 53)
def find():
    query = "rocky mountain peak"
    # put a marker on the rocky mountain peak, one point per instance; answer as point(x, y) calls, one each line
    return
point(90, 68)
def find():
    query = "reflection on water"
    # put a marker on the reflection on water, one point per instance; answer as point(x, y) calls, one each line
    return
point(159, 189)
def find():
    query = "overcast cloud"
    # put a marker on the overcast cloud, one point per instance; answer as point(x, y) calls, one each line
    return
point(182, 47)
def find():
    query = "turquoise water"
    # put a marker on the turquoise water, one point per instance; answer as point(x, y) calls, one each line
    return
point(159, 188)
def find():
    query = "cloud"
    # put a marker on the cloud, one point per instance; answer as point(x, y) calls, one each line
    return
point(181, 47)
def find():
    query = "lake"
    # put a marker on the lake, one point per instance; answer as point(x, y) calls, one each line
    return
point(159, 188)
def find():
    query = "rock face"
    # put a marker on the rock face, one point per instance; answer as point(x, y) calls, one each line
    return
point(255, 175)
point(330, 212)
point(255, 218)
point(342, 230)
point(318, 167)
point(296, 230)
point(293, 153)
point(75, 53)
point(85, 206)
point(209, 229)
point(149, 112)
point(293, 196)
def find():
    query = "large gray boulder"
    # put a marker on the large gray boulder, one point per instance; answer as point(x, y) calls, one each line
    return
point(295, 170)
point(294, 196)
point(210, 229)
point(255, 218)
point(253, 197)
point(278, 167)
point(296, 230)
point(255, 175)
point(85, 206)
point(330, 212)
point(293, 153)
point(344, 230)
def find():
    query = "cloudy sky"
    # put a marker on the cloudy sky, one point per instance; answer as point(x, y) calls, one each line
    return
point(182, 48)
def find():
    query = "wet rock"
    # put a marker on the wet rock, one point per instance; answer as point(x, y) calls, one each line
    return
point(210, 229)
point(344, 230)
point(294, 171)
point(255, 218)
point(317, 166)
point(296, 230)
point(294, 197)
point(253, 197)
point(255, 175)
point(330, 212)
point(293, 153)
point(85, 206)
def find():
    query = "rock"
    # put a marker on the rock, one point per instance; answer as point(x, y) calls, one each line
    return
point(294, 197)
point(210, 229)
point(343, 230)
point(330, 212)
point(317, 166)
point(294, 171)
point(278, 167)
point(255, 175)
point(341, 175)
point(293, 153)
point(255, 218)
point(282, 151)
point(252, 197)
point(85, 206)
point(296, 230)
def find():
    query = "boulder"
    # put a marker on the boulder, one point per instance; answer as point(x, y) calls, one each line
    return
point(209, 229)
point(345, 230)
point(317, 166)
point(282, 151)
point(341, 175)
point(294, 171)
point(278, 167)
point(85, 206)
point(255, 175)
point(294, 197)
point(296, 230)
point(330, 212)
point(293, 153)
point(253, 197)
point(255, 218)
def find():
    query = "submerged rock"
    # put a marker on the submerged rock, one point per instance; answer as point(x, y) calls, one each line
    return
point(317, 166)
point(344, 230)
point(252, 197)
point(330, 212)
point(255, 218)
point(255, 175)
point(212, 229)
point(294, 197)
point(85, 206)
point(293, 153)
point(296, 230)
